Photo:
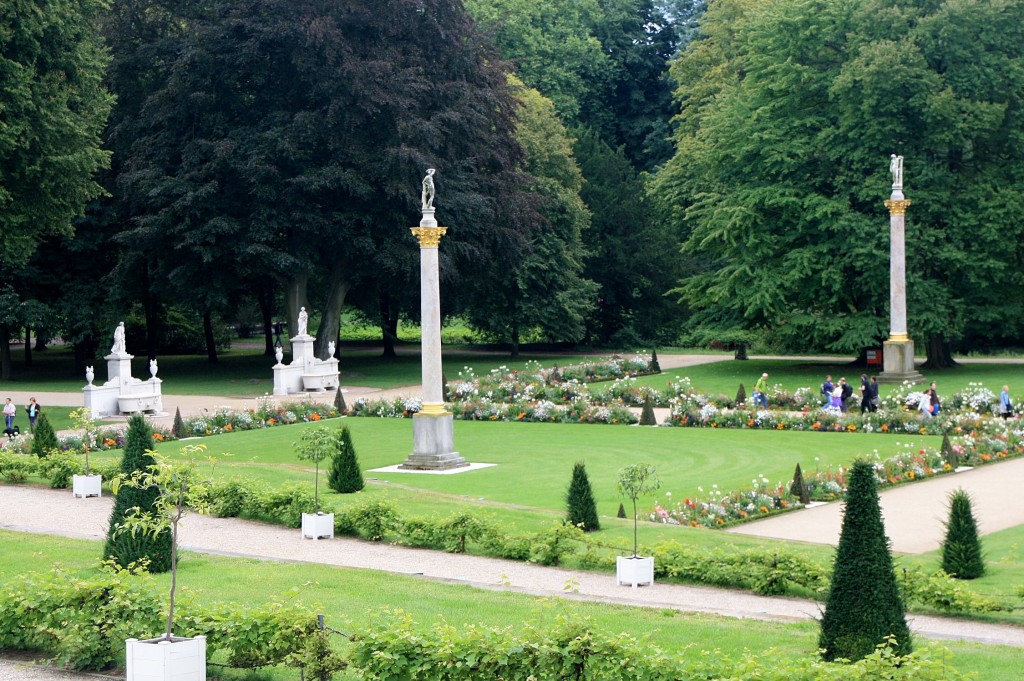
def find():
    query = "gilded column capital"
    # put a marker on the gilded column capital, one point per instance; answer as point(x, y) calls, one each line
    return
point(897, 206)
point(429, 237)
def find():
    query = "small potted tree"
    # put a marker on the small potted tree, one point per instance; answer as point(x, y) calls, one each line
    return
point(87, 484)
point(635, 481)
point(180, 489)
point(316, 445)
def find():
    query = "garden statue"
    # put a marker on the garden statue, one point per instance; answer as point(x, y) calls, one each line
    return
point(153, 368)
point(89, 375)
point(118, 348)
point(303, 321)
point(427, 196)
point(330, 348)
point(279, 353)
point(896, 168)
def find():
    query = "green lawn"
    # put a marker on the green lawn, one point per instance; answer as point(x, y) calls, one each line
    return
point(347, 596)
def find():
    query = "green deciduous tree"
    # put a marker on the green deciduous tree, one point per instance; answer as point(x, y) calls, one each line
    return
point(54, 106)
point(789, 112)
point(125, 547)
point(961, 549)
point(345, 476)
point(579, 501)
point(863, 606)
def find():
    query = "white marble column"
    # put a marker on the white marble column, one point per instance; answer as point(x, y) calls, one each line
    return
point(433, 427)
point(898, 350)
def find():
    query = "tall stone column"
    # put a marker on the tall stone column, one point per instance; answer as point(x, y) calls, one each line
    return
point(898, 350)
point(433, 427)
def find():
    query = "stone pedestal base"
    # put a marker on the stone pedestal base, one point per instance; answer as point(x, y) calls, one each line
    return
point(433, 440)
point(898, 362)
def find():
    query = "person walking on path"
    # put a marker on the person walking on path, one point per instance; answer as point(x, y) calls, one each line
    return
point(1005, 406)
point(873, 402)
point(9, 411)
point(865, 394)
point(846, 394)
point(826, 389)
point(33, 413)
point(761, 391)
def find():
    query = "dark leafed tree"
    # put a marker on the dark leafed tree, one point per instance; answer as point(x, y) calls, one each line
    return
point(863, 606)
point(54, 107)
point(788, 117)
point(294, 134)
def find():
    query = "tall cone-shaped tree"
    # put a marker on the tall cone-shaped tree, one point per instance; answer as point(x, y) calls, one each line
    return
point(864, 605)
point(345, 476)
point(124, 547)
point(579, 500)
point(45, 440)
point(961, 550)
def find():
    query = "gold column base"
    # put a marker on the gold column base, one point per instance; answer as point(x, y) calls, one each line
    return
point(433, 409)
point(898, 338)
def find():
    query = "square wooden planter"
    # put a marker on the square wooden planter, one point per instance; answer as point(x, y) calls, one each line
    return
point(634, 570)
point(317, 525)
point(181, 659)
point(87, 486)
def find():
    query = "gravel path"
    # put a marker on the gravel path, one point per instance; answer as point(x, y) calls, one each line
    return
point(87, 519)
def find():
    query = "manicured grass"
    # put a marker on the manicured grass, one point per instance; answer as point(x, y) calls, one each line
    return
point(535, 460)
point(726, 376)
point(347, 596)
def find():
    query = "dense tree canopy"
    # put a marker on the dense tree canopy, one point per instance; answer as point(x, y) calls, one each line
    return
point(789, 113)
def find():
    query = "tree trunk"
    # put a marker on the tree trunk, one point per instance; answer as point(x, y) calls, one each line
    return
point(515, 341)
point(741, 351)
point(330, 320)
point(265, 298)
point(294, 299)
point(6, 368)
point(939, 355)
point(83, 352)
point(211, 344)
point(154, 318)
point(388, 325)
point(28, 345)
point(42, 335)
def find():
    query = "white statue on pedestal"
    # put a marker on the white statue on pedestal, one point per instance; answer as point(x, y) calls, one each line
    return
point(330, 348)
point(153, 368)
point(303, 322)
point(89, 375)
point(427, 195)
point(118, 347)
point(279, 353)
point(896, 168)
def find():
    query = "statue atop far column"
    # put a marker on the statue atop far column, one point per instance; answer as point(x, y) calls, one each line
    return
point(896, 168)
point(303, 322)
point(427, 195)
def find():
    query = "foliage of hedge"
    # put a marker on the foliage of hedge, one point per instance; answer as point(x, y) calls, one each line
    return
point(394, 648)
point(82, 622)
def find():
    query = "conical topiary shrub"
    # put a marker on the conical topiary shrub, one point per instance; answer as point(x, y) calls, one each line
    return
point(345, 476)
point(798, 488)
point(741, 396)
point(653, 365)
point(863, 606)
point(961, 550)
point(45, 440)
point(339, 401)
point(948, 453)
point(125, 547)
point(178, 427)
point(579, 501)
point(622, 511)
point(647, 417)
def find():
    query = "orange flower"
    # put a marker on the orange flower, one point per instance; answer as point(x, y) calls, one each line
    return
point(110, 442)
point(884, 428)
point(158, 437)
point(314, 416)
point(271, 421)
point(229, 427)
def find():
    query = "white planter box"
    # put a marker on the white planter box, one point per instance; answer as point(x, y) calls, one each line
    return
point(87, 486)
point(318, 525)
point(183, 659)
point(634, 570)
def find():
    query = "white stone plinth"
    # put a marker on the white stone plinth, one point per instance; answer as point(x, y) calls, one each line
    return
point(123, 394)
point(898, 362)
point(433, 444)
point(634, 570)
point(317, 525)
point(305, 372)
point(161, 660)
point(86, 486)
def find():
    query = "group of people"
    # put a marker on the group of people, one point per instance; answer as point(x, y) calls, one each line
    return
point(929, 405)
point(10, 411)
point(837, 395)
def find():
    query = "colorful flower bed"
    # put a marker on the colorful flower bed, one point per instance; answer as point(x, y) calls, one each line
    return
point(993, 440)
